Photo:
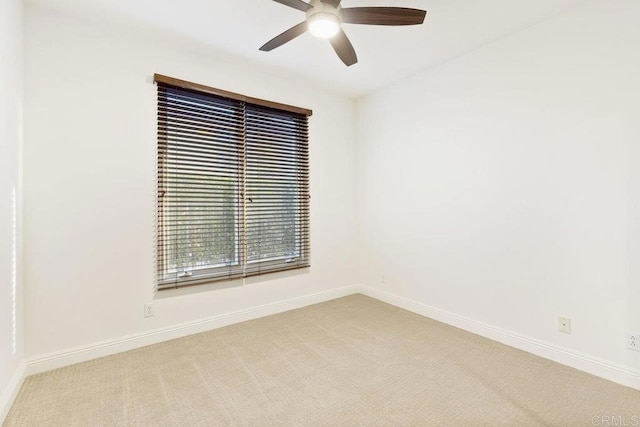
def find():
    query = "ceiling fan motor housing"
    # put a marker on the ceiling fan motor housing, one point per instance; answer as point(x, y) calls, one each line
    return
point(321, 9)
point(324, 20)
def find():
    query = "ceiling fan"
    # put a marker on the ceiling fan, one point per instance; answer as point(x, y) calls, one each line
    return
point(325, 19)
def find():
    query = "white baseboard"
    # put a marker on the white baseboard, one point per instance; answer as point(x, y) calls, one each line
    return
point(583, 362)
point(611, 371)
point(72, 356)
point(9, 394)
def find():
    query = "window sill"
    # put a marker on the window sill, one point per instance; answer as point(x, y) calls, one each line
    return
point(229, 284)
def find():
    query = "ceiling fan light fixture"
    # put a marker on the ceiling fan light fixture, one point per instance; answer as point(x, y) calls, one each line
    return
point(325, 19)
point(324, 25)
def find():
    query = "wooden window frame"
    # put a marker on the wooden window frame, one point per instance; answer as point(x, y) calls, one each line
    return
point(245, 267)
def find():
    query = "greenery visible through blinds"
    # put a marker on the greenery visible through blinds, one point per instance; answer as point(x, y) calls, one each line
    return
point(233, 188)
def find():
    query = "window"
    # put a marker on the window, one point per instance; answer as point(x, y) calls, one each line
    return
point(233, 185)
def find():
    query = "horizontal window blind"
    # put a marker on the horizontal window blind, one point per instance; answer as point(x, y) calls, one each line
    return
point(277, 185)
point(233, 188)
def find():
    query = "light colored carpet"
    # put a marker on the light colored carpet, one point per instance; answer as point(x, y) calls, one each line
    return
point(352, 361)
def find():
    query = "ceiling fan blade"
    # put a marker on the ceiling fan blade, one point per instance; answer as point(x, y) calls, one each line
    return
point(285, 37)
point(344, 48)
point(334, 3)
point(296, 4)
point(383, 16)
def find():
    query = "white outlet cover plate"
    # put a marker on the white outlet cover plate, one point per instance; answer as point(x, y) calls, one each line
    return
point(148, 310)
point(633, 342)
point(564, 325)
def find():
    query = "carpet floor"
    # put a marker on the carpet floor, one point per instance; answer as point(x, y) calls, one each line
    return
point(353, 361)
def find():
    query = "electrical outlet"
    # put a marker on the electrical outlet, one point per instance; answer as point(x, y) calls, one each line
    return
point(564, 325)
point(148, 310)
point(633, 342)
point(382, 279)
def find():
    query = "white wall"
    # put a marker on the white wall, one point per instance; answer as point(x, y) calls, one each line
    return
point(89, 182)
point(504, 186)
point(11, 331)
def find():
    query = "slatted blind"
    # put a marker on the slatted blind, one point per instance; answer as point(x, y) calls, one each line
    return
point(277, 186)
point(233, 188)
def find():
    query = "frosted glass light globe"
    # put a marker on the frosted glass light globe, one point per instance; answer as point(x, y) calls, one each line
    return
point(324, 25)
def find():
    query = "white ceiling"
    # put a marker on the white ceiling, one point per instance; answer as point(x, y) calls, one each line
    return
point(386, 54)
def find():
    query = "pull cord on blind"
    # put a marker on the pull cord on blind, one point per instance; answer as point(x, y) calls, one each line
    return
point(233, 188)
